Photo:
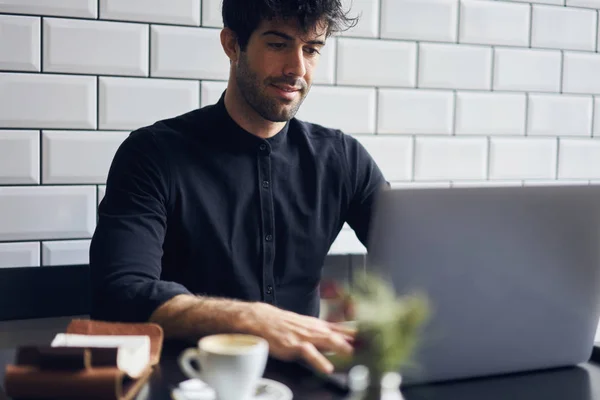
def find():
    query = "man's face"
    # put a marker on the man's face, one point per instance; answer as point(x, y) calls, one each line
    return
point(274, 73)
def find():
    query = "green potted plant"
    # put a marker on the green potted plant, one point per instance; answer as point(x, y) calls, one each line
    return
point(387, 332)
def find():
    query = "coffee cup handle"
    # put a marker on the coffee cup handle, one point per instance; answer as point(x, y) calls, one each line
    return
point(184, 362)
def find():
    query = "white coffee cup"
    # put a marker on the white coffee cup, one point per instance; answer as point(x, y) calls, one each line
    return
point(231, 364)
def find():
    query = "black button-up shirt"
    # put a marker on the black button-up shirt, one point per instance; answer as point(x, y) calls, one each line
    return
point(197, 205)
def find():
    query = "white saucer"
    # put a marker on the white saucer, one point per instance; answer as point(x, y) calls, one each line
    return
point(195, 389)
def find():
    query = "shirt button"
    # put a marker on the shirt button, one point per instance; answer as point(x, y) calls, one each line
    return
point(268, 238)
point(262, 147)
point(269, 289)
point(265, 184)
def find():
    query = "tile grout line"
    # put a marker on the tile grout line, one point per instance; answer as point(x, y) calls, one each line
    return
point(70, 239)
point(593, 116)
point(55, 185)
point(530, 24)
point(97, 103)
point(380, 19)
point(119, 130)
point(562, 72)
point(417, 63)
point(40, 252)
point(336, 55)
point(149, 27)
point(40, 155)
point(41, 44)
point(168, 78)
point(97, 200)
point(557, 158)
point(376, 111)
point(597, 30)
point(489, 158)
point(414, 157)
point(525, 131)
point(454, 112)
point(458, 16)
point(123, 20)
point(199, 93)
point(493, 68)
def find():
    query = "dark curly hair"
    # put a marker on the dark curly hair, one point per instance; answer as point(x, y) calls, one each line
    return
point(244, 16)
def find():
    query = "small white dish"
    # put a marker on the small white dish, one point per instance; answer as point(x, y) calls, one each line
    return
point(266, 389)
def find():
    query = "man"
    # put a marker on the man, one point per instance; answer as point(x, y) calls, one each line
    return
point(219, 220)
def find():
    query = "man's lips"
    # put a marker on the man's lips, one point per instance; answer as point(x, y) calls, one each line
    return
point(285, 91)
point(287, 88)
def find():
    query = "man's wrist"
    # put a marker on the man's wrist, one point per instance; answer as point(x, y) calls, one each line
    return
point(246, 320)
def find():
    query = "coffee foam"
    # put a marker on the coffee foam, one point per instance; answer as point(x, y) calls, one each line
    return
point(229, 344)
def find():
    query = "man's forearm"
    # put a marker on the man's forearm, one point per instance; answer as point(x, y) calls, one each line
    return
point(189, 317)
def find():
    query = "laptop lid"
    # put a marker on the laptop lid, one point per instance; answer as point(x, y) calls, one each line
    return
point(512, 273)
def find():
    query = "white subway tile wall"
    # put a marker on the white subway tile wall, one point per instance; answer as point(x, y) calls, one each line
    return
point(579, 159)
point(455, 66)
point(527, 70)
point(176, 54)
point(488, 22)
point(490, 113)
point(15, 255)
point(351, 109)
point(47, 212)
point(442, 93)
point(368, 23)
point(412, 111)
point(522, 158)
point(450, 158)
point(64, 8)
point(101, 193)
point(393, 155)
point(178, 12)
point(20, 43)
point(19, 157)
point(560, 115)
point(65, 252)
point(325, 73)
point(211, 13)
point(427, 20)
point(549, 25)
point(95, 47)
point(130, 103)
point(47, 101)
point(580, 73)
point(78, 157)
point(211, 91)
point(596, 120)
point(394, 62)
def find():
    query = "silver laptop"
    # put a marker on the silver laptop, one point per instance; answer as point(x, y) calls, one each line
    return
point(512, 273)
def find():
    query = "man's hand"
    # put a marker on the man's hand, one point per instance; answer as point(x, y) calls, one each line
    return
point(292, 336)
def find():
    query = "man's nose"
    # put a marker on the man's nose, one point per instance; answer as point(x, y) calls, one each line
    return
point(295, 64)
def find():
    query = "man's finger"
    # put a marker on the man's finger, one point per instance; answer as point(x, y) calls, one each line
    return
point(334, 343)
point(343, 328)
point(317, 360)
point(340, 344)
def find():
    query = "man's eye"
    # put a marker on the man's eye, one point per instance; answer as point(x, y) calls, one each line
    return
point(312, 51)
point(277, 45)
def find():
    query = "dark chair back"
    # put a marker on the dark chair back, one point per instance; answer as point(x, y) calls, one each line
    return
point(44, 292)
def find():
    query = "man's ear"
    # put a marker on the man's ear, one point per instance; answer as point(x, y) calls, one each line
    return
point(230, 44)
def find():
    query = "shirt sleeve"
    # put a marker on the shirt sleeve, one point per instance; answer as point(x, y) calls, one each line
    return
point(365, 181)
point(126, 249)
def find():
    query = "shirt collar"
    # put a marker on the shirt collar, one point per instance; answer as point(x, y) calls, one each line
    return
point(238, 136)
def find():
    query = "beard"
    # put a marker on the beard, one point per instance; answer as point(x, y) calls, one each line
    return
point(255, 93)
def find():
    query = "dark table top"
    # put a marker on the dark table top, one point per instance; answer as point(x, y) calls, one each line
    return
point(580, 382)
